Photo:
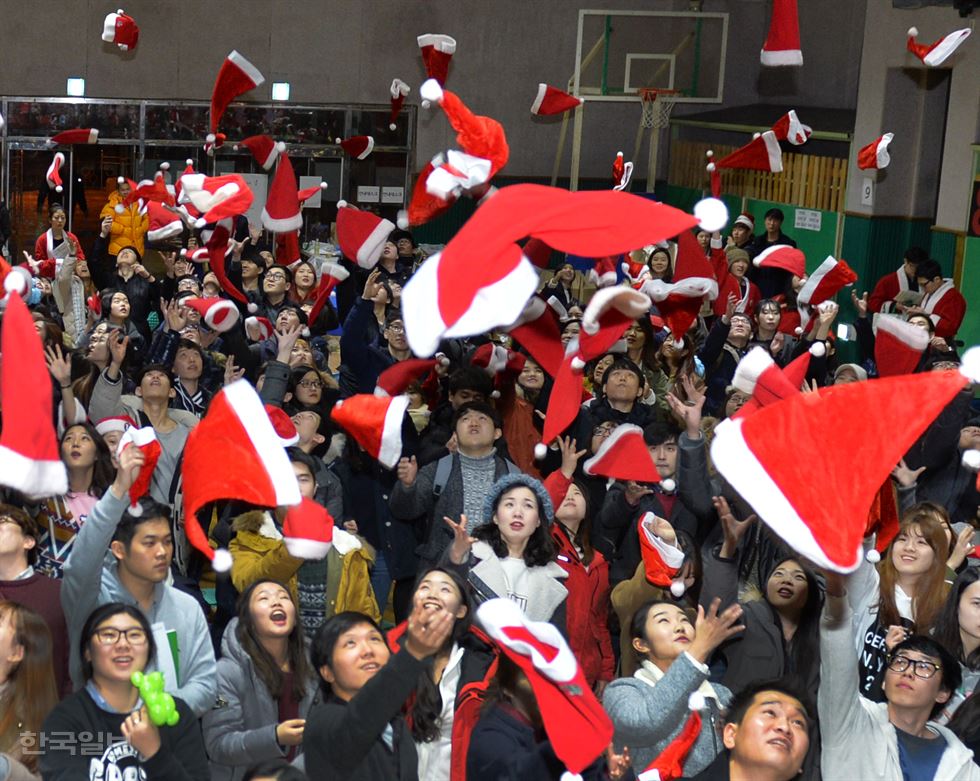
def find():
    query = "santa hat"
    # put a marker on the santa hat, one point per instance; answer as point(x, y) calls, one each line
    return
point(287, 248)
point(539, 253)
point(264, 149)
point(358, 147)
point(437, 50)
point(164, 223)
point(624, 456)
point(782, 46)
point(883, 521)
point(53, 174)
point(331, 275)
point(761, 377)
point(494, 359)
point(281, 212)
point(399, 89)
point(266, 329)
point(234, 453)
point(935, 54)
point(457, 173)
point(898, 345)
point(745, 219)
point(375, 422)
point(450, 296)
point(551, 100)
point(395, 380)
point(118, 423)
point(622, 172)
point(30, 460)
point(635, 271)
point(565, 399)
point(283, 425)
point(668, 765)
point(578, 729)
point(679, 301)
point(537, 331)
point(661, 560)
point(762, 153)
point(216, 197)
point(361, 235)
point(609, 313)
point(875, 154)
point(603, 273)
point(824, 283)
point(308, 532)
point(146, 440)
point(217, 248)
point(782, 256)
point(308, 192)
point(829, 426)
point(121, 29)
point(78, 135)
point(789, 128)
point(219, 314)
point(236, 77)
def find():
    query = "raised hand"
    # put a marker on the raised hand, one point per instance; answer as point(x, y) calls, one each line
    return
point(118, 345)
point(860, 304)
point(105, 227)
point(59, 365)
point(286, 340)
point(459, 551)
point(634, 492)
point(904, 476)
point(732, 528)
point(662, 528)
point(372, 286)
point(730, 305)
point(714, 628)
point(407, 470)
point(141, 733)
point(232, 372)
point(962, 548)
point(131, 460)
point(428, 631)
point(569, 456)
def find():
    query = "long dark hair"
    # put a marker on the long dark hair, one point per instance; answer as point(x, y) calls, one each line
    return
point(581, 539)
point(540, 547)
point(804, 651)
point(947, 629)
point(103, 473)
point(266, 667)
point(965, 723)
point(427, 705)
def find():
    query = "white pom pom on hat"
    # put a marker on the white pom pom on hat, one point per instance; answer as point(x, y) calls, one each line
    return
point(392, 126)
point(677, 588)
point(971, 459)
point(135, 509)
point(668, 485)
point(120, 179)
point(913, 32)
point(402, 221)
point(221, 561)
point(252, 307)
point(540, 450)
point(712, 213)
point(818, 349)
point(970, 365)
point(17, 280)
point(341, 204)
point(119, 208)
point(164, 166)
point(872, 556)
point(696, 701)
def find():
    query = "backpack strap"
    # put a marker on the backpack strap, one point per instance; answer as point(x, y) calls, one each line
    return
point(444, 467)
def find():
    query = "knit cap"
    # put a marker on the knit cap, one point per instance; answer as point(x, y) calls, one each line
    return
point(507, 482)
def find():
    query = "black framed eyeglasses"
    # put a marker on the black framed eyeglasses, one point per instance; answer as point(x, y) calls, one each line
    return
point(920, 667)
point(110, 635)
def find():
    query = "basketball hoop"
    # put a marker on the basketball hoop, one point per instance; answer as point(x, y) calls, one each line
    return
point(657, 105)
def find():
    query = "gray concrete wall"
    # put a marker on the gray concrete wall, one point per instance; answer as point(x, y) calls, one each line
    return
point(345, 50)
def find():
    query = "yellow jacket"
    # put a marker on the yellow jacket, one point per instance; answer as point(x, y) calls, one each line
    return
point(128, 229)
point(355, 592)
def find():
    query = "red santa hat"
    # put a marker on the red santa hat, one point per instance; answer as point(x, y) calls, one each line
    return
point(829, 277)
point(287, 248)
point(375, 422)
point(551, 100)
point(495, 358)
point(114, 423)
point(636, 271)
point(458, 173)
point(622, 172)
point(603, 273)
point(661, 560)
point(789, 128)
point(565, 399)
point(395, 380)
point(308, 532)
point(668, 765)
point(875, 154)
point(437, 51)
point(578, 728)
point(935, 54)
point(234, 453)
point(53, 174)
point(782, 256)
point(121, 29)
point(331, 275)
point(537, 331)
point(898, 345)
point(264, 149)
point(782, 46)
point(30, 460)
point(217, 247)
point(609, 313)
point(679, 301)
point(358, 147)
point(829, 426)
point(78, 135)
point(883, 521)
point(399, 89)
point(281, 212)
point(216, 197)
point(283, 425)
point(146, 440)
point(219, 314)
point(762, 378)
point(164, 223)
point(236, 77)
point(308, 192)
point(624, 456)
point(471, 299)
point(762, 153)
point(361, 235)
point(264, 326)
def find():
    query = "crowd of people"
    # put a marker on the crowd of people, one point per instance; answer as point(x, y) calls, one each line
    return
point(371, 662)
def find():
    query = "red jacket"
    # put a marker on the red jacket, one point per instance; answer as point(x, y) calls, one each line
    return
point(587, 605)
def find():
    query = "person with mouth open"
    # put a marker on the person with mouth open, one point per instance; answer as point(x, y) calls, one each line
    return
point(512, 555)
point(895, 738)
point(105, 730)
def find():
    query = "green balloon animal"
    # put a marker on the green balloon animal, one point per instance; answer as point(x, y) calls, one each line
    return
point(159, 705)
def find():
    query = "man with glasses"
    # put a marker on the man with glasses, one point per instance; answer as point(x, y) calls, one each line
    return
point(141, 548)
point(894, 739)
point(275, 285)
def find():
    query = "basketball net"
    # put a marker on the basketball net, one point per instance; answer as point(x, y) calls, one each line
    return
point(657, 105)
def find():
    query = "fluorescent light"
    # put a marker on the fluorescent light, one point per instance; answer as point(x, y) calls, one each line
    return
point(75, 87)
point(280, 90)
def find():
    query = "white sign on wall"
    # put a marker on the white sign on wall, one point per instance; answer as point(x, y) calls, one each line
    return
point(392, 195)
point(808, 220)
point(259, 185)
point(867, 191)
point(368, 194)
